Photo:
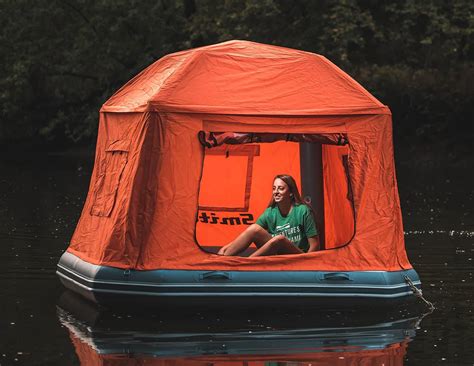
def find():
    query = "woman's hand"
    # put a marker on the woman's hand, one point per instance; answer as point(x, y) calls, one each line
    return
point(313, 244)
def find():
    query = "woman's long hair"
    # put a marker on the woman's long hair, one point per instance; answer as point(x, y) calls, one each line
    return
point(294, 192)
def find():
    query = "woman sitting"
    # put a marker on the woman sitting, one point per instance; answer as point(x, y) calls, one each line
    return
point(285, 227)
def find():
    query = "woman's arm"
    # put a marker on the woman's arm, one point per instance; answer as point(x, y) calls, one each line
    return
point(313, 244)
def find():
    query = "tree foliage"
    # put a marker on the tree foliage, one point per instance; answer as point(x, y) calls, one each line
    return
point(62, 59)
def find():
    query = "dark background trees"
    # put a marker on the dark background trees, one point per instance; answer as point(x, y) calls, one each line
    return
point(60, 60)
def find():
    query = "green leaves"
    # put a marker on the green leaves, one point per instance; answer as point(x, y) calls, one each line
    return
point(60, 60)
point(64, 58)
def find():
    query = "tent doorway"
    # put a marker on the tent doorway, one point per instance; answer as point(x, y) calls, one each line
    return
point(237, 175)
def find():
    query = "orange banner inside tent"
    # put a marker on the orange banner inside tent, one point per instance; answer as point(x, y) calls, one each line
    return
point(236, 187)
point(151, 181)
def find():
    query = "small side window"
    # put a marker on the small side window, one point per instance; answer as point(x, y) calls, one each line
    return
point(108, 179)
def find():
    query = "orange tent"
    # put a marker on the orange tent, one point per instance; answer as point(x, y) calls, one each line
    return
point(159, 199)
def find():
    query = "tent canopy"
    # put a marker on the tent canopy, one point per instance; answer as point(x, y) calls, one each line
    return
point(158, 196)
point(240, 77)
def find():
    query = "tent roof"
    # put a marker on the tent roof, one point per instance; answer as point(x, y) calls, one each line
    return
point(242, 77)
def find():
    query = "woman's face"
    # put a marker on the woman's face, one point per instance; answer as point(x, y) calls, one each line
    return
point(281, 191)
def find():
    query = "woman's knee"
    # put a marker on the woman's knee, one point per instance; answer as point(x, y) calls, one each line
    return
point(255, 229)
point(279, 238)
point(276, 241)
point(280, 242)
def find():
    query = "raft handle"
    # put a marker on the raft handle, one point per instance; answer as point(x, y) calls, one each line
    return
point(215, 275)
point(337, 276)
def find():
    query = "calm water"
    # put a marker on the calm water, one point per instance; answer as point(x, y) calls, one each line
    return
point(40, 324)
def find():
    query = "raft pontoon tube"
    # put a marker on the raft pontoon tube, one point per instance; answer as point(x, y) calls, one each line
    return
point(99, 282)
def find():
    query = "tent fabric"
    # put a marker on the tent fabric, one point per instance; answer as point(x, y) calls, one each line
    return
point(143, 202)
point(338, 210)
point(239, 77)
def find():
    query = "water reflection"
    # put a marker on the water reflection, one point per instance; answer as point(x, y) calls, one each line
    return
point(211, 337)
point(451, 233)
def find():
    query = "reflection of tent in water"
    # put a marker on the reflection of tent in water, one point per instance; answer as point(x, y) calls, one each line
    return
point(314, 337)
point(161, 199)
point(337, 346)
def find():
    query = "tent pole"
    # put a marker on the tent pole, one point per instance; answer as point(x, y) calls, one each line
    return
point(311, 165)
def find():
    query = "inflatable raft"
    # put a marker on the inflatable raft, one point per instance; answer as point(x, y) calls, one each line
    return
point(186, 154)
point(104, 284)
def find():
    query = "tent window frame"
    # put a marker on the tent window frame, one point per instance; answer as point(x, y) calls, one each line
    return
point(252, 138)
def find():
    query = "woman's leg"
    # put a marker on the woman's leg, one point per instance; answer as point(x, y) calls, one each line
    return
point(253, 234)
point(277, 245)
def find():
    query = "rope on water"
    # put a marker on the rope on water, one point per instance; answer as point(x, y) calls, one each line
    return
point(417, 292)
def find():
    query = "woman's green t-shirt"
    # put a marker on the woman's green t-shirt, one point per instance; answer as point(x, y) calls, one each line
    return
point(297, 226)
